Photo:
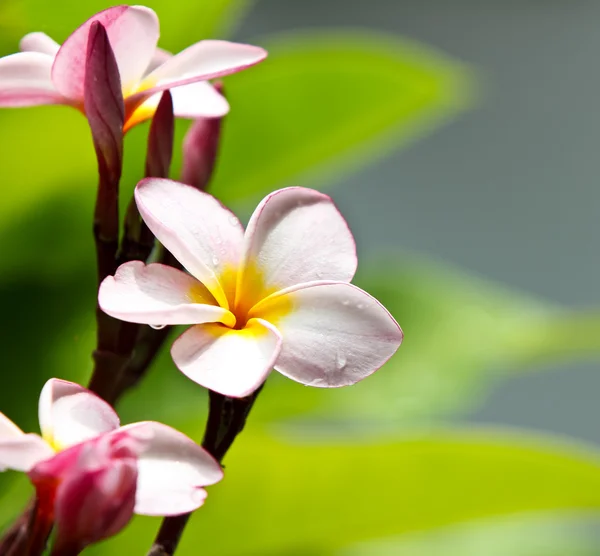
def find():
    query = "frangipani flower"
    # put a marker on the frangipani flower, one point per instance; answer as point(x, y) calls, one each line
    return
point(277, 295)
point(84, 457)
point(47, 73)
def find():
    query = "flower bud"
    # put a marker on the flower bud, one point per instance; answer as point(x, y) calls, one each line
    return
point(95, 487)
point(200, 148)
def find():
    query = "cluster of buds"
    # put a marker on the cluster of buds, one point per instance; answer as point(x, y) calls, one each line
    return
point(275, 295)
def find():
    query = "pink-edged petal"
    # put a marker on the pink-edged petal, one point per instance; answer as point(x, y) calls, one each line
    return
point(70, 414)
point(204, 236)
point(25, 80)
point(334, 334)
point(23, 452)
point(158, 294)
point(172, 470)
point(295, 235)
point(133, 34)
point(8, 429)
point(197, 100)
point(39, 42)
point(232, 362)
point(200, 62)
point(158, 59)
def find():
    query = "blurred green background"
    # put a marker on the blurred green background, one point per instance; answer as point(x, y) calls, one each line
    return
point(459, 139)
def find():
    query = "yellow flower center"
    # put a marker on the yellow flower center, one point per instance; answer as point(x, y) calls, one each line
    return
point(247, 297)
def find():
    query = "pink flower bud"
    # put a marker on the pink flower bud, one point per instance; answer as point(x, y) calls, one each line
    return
point(95, 487)
point(200, 148)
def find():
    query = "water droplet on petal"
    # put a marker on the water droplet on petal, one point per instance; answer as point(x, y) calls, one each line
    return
point(233, 220)
point(345, 303)
point(340, 360)
point(157, 326)
point(319, 274)
point(360, 306)
point(215, 261)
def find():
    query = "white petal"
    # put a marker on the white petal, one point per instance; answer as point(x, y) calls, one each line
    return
point(158, 294)
point(8, 429)
point(198, 100)
point(160, 57)
point(23, 452)
point(204, 236)
point(39, 42)
point(171, 471)
point(25, 80)
point(232, 362)
point(70, 414)
point(295, 235)
point(334, 334)
point(200, 62)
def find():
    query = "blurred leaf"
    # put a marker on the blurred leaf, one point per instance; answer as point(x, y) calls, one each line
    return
point(327, 102)
point(284, 498)
point(182, 23)
point(524, 535)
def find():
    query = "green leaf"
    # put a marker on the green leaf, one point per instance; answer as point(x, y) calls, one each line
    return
point(326, 103)
point(524, 535)
point(311, 498)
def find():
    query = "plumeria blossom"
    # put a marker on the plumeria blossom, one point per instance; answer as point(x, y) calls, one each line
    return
point(277, 296)
point(46, 73)
point(95, 473)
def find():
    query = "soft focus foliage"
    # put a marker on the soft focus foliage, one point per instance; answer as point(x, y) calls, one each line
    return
point(316, 473)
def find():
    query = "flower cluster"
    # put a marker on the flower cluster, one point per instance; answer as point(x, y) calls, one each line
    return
point(91, 474)
point(276, 295)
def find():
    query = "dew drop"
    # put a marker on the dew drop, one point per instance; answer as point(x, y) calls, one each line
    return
point(233, 220)
point(340, 360)
point(215, 261)
point(345, 303)
point(319, 274)
point(157, 326)
point(360, 306)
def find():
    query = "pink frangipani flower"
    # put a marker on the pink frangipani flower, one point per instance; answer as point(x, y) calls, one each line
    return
point(93, 474)
point(46, 73)
point(277, 296)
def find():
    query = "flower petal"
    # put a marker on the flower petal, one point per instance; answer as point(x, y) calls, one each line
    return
point(8, 429)
point(232, 362)
point(39, 42)
point(201, 233)
point(334, 334)
point(25, 80)
point(171, 471)
point(197, 100)
point(159, 294)
point(200, 62)
point(133, 34)
point(158, 59)
point(295, 235)
point(70, 414)
point(23, 452)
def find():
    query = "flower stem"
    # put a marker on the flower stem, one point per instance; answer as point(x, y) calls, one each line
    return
point(226, 419)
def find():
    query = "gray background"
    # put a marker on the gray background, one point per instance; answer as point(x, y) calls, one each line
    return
point(507, 191)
